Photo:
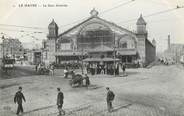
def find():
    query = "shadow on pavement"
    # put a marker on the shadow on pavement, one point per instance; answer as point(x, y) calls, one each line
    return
point(120, 107)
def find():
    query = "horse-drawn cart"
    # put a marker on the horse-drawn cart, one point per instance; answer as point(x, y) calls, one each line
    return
point(43, 71)
point(78, 80)
point(7, 64)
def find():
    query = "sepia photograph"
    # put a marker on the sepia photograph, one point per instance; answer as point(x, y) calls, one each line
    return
point(91, 57)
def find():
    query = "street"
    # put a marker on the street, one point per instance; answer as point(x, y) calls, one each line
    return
point(18, 71)
point(157, 91)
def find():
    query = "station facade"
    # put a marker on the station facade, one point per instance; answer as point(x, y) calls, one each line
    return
point(97, 38)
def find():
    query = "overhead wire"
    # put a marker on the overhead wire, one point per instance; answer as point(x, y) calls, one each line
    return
point(153, 14)
point(23, 31)
point(8, 25)
point(105, 11)
point(115, 7)
point(155, 2)
point(41, 28)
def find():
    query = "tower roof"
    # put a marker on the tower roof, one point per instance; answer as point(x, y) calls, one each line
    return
point(53, 24)
point(153, 40)
point(141, 21)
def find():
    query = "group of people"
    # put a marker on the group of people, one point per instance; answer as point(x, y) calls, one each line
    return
point(166, 61)
point(96, 68)
point(86, 81)
point(73, 65)
point(43, 69)
point(19, 97)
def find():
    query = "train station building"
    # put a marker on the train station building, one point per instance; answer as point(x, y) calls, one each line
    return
point(96, 39)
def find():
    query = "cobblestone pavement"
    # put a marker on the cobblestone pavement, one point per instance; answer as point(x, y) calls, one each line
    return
point(98, 109)
point(157, 91)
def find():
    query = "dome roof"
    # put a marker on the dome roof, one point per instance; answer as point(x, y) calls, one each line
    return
point(141, 21)
point(53, 24)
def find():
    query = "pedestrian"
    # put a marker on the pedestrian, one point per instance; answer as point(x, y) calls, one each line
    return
point(124, 68)
point(36, 67)
point(66, 72)
point(87, 80)
point(60, 98)
point(18, 99)
point(110, 98)
point(52, 69)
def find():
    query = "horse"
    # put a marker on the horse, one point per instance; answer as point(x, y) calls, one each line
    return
point(76, 79)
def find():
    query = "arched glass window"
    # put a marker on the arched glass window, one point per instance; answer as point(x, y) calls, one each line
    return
point(123, 45)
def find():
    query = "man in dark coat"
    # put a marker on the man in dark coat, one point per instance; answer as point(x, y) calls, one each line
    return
point(110, 98)
point(124, 68)
point(87, 80)
point(60, 98)
point(18, 99)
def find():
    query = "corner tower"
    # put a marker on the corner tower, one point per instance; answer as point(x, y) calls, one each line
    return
point(141, 25)
point(142, 38)
point(53, 30)
point(51, 40)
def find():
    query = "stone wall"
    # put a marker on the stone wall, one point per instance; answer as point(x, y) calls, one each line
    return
point(141, 48)
point(150, 52)
point(51, 50)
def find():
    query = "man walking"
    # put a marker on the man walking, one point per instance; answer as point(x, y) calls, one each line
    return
point(60, 98)
point(87, 80)
point(52, 69)
point(66, 72)
point(110, 98)
point(18, 99)
point(124, 68)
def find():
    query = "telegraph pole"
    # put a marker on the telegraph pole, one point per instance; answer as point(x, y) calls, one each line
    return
point(82, 56)
point(114, 54)
point(82, 61)
point(3, 45)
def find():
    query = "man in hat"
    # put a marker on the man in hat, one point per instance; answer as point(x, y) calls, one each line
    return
point(109, 98)
point(18, 99)
point(60, 98)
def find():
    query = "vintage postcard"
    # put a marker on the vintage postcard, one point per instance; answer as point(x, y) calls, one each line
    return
point(91, 57)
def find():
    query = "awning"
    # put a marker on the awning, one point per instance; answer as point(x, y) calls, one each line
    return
point(69, 53)
point(127, 52)
point(101, 48)
point(100, 60)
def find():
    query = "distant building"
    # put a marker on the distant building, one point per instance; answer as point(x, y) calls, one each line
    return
point(154, 42)
point(174, 50)
point(177, 50)
point(34, 56)
point(1, 51)
point(12, 48)
point(96, 38)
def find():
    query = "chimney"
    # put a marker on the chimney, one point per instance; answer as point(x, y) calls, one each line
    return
point(169, 43)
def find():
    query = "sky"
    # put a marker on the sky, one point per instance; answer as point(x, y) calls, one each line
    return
point(72, 12)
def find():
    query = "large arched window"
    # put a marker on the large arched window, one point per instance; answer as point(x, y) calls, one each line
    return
point(93, 35)
point(65, 44)
point(126, 42)
point(123, 45)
